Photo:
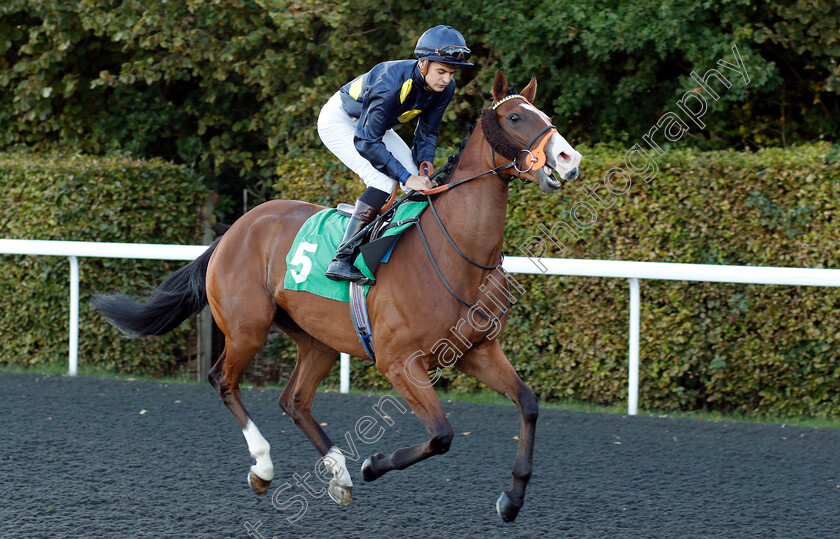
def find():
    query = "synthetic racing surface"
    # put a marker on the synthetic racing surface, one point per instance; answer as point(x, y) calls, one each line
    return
point(87, 457)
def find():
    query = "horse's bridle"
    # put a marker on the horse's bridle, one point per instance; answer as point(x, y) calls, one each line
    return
point(538, 159)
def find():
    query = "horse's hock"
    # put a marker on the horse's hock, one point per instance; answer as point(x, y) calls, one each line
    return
point(266, 368)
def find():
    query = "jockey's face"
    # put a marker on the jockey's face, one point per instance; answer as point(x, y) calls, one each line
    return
point(437, 76)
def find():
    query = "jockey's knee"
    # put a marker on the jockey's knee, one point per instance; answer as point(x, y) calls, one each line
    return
point(374, 197)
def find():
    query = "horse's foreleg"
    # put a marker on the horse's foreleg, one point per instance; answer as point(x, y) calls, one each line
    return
point(412, 382)
point(314, 361)
point(489, 365)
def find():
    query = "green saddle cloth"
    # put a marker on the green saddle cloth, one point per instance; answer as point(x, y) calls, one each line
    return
point(316, 243)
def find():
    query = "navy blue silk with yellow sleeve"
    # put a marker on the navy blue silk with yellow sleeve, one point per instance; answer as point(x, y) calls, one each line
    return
point(390, 94)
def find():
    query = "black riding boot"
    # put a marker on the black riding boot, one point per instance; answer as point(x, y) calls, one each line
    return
point(341, 268)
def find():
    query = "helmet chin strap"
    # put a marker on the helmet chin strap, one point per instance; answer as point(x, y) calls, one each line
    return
point(424, 70)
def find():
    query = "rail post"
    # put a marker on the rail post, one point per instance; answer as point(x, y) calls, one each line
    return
point(74, 316)
point(344, 385)
point(633, 374)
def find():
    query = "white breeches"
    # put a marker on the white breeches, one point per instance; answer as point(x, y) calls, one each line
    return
point(337, 129)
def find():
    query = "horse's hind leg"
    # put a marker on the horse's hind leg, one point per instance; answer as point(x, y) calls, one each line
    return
point(314, 361)
point(243, 339)
point(412, 382)
point(488, 364)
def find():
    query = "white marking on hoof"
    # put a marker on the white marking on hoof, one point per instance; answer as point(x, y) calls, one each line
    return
point(259, 449)
point(335, 462)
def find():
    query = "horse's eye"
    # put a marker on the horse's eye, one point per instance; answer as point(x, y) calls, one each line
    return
point(514, 118)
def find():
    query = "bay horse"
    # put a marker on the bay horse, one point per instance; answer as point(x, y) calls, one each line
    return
point(418, 298)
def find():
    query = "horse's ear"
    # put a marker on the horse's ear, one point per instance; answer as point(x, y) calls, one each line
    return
point(530, 91)
point(499, 85)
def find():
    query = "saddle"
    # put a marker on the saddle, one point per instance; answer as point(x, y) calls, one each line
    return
point(378, 243)
point(376, 247)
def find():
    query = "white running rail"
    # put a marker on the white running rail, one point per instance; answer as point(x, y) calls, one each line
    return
point(75, 249)
point(670, 272)
point(548, 266)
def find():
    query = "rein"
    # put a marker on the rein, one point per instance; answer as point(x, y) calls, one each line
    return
point(461, 253)
point(490, 128)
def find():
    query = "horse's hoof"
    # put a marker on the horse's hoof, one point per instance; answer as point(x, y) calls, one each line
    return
point(342, 495)
point(259, 486)
point(368, 474)
point(506, 508)
point(367, 471)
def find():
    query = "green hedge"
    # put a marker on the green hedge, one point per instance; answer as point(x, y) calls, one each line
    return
point(89, 199)
point(231, 87)
point(756, 349)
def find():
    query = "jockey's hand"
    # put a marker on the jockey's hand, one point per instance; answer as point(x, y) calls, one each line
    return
point(419, 183)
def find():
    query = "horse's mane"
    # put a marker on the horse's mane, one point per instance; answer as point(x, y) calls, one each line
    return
point(444, 173)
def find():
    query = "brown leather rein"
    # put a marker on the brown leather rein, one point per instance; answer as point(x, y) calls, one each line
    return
point(537, 155)
point(537, 159)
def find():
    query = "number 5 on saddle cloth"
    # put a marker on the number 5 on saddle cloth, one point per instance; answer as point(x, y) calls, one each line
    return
point(315, 245)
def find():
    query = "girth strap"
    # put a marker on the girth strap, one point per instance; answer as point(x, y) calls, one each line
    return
point(361, 321)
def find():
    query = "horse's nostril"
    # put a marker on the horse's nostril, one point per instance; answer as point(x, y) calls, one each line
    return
point(564, 157)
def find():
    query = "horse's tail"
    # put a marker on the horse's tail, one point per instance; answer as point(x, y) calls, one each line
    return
point(178, 297)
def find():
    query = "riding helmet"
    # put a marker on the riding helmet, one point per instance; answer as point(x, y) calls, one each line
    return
point(445, 45)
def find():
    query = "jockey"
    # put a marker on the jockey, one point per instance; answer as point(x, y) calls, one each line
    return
point(356, 125)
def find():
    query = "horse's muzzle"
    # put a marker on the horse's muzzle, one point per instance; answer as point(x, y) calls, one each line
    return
point(571, 175)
